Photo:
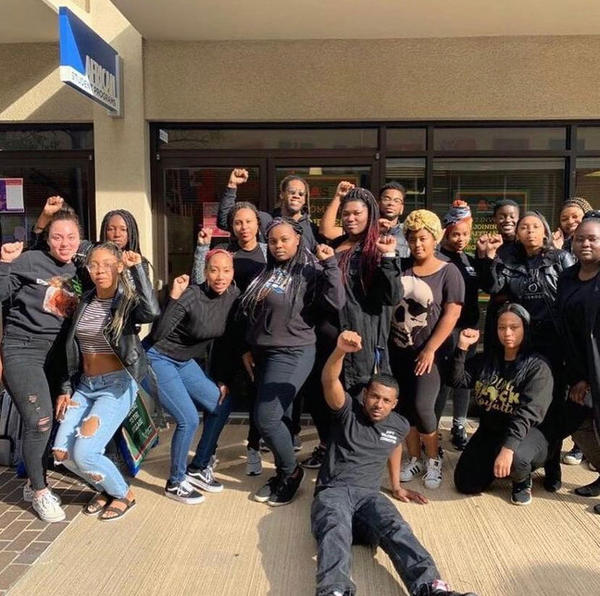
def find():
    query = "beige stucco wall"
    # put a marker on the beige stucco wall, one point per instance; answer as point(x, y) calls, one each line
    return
point(30, 88)
point(470, 78)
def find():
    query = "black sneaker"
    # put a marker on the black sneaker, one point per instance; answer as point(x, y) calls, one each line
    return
point(204, 479)
point(521, 492)
point(264, 447)
point(589, 490)
point(438, 588)
point(297, 443)
point(183, 492)
point(597, 509)
point(286, 489)
point(459, 437)
point(263, 494)
point(316, 459)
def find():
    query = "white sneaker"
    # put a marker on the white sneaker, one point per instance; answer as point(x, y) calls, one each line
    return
point(411, 469)
point(433, 475)
point(253, 463)
point(28, 494)
point(47, 507)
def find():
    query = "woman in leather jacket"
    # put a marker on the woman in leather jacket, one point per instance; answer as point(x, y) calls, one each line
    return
point(528, 275)
point(105, 363)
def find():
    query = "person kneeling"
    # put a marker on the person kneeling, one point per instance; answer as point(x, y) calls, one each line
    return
point(347, 503)
point(513, 388)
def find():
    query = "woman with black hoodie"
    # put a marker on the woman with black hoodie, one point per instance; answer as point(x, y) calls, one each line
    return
point(513, 389)
point(281, 307)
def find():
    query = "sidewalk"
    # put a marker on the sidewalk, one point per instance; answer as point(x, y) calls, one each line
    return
point(231, 545)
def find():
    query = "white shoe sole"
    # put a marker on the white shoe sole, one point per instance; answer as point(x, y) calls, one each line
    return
point(184, 500)
point(253, 472)
point(52, 520)
point(521, 504)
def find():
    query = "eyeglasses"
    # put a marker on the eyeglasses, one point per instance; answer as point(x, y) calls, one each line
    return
point(96, 267)
point(396, 201)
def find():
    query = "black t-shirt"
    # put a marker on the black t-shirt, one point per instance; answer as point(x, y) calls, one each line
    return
point(469, 316)
point(247, 265)
point(415, 317)
point(359, 448)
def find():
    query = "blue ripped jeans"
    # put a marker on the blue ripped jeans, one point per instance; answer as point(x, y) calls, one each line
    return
point(107, 398)
point(183, 388)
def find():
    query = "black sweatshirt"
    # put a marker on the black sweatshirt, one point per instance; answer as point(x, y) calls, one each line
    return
point(513, 396)
point(469, 315)
point(281, 320)
point(41, 294)
point(188, 324)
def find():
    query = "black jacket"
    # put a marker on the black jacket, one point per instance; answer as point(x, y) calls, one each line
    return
point(513, 397)
point(129, 348)
point(590, 319)
point(533, 284)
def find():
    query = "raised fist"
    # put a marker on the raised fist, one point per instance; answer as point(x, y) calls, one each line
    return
point(343, 188)
point(237, 176)
point(349, 341)
point(467, 338)
point(558, 238)
point(494, 243)
point(10, 251)
point(53, 204)
point(204, 237)
point(179, 286)
point(386, 243)
point(385, 225)
point(324, 252)
point(131, 258)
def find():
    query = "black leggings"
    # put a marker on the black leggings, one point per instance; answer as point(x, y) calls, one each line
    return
point(474, 471)
point(29, 364)
point(418, 394)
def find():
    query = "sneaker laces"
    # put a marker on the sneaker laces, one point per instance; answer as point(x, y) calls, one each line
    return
point(434, 468)
point(46, 500)
point(184, 488)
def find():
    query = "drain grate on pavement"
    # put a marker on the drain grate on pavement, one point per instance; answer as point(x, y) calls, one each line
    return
point(23, 536)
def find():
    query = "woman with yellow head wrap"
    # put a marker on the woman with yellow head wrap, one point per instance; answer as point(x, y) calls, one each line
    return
point(421, 323)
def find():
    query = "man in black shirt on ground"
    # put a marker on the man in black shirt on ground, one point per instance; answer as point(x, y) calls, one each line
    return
point(347, 503)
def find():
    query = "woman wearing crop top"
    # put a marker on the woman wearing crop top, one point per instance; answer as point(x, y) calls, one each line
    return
point(105, 354)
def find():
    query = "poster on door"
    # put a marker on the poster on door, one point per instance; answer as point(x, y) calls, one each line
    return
point(209, 219)
point(11, 195)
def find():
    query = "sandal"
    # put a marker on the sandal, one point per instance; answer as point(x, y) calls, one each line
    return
point(97, 504)
point(129, 504)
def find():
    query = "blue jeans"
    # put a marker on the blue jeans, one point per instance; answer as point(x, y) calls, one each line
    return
point(108, 398)
point(182, 388)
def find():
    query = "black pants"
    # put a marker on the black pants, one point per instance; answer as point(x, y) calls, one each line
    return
point(343, 515)
point(474, 471)
point(280, 373)
point(31, 365)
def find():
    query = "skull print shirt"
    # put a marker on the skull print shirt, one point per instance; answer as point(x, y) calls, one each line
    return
point(416, 315)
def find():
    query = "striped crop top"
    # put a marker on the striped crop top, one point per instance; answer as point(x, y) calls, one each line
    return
point(89, 332)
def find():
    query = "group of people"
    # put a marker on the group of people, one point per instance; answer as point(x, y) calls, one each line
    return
point(373, 324)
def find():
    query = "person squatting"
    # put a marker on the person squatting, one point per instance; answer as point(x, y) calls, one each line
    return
point(373, 323)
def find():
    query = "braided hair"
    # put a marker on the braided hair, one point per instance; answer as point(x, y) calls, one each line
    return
point(259, 289)
point(367, 245)
point(129, 298)
point(133, 235)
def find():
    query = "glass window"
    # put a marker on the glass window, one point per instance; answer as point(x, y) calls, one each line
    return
point(46, 140)
point(499, 139)
point(411, 174)
point(532, 183)
point(406, 139)
point(588, 180)
point(192, 199)
point(302, 138)
point(323, 181)
point(588, 138)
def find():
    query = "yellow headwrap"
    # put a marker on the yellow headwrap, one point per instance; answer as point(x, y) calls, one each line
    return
point(423, 219)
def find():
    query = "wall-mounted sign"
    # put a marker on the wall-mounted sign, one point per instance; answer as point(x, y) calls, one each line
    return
point(11, 195)
point(88, 63)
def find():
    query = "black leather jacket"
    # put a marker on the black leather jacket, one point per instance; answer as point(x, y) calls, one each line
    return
point(531, 283)
point(129, 348)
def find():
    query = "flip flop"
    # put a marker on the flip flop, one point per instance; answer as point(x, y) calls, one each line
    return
point(130, 504)
point(94, 507)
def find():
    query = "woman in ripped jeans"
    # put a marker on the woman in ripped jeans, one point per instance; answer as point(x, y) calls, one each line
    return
point(105, 353)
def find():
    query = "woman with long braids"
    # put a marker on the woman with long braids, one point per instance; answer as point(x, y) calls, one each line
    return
point(371, 275)
point(105, 355)
point(578, 305)
point(528, 274)
point(196, 314)
point(513, 389)
point(422, 322)
point(281, 307)
point(249, 259)
point(41, 291)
